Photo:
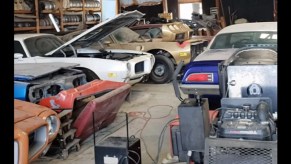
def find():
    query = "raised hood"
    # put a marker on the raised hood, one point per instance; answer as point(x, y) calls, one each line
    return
point(30, 71)
point(101, 30)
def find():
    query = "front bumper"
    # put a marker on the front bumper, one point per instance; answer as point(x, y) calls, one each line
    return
point(134, 81)
point(140, 66)
point(198, 89)
point(103, 98)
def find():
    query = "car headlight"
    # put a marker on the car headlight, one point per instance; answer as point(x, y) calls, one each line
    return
point(38, 93)
point(52, 125)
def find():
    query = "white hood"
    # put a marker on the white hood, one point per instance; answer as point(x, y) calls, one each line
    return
point(215, 54)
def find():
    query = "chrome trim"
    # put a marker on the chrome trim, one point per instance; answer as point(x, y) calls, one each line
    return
point(199, 89)
point(52, 121)
point(16, 152)
point(38, 141)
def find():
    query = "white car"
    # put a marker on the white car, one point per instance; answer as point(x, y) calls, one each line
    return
point(114, 65)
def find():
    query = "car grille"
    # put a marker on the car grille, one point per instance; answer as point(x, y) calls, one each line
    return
point(37, 139)
point(52, 87)
point(139, 67)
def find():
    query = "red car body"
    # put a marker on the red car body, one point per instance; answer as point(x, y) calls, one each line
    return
point(101, 97)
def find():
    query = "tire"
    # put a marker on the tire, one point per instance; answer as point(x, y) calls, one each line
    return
point(163, 70)
point(90, 75)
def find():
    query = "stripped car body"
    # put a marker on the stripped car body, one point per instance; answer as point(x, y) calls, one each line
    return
point(30, 136)
point(200, 77)
point(102, 97)
point(120, 66)
point(169, 43)
point(33, 81)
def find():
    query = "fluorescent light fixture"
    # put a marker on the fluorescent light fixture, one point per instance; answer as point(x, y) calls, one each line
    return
point(54, 22)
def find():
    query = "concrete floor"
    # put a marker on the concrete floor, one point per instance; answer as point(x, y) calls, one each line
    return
point(150, 107)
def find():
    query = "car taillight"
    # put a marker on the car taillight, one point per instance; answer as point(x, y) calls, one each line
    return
point(200, 77)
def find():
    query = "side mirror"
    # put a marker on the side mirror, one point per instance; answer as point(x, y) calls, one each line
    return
point(18, 55)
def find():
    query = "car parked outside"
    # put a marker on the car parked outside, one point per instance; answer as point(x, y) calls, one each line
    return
point(114, 65)
point(200, 77)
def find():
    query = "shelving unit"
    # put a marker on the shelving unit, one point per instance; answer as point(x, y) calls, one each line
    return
point(70, 15)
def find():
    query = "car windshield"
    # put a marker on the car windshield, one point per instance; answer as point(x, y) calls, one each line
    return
point(245, 39)
point(125, 35)
point(39, 46)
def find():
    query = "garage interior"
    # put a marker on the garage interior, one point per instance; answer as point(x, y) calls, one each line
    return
point(161, 120)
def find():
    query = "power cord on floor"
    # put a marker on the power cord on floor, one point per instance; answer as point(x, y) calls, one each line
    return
point(147, 119)
point(161, 140)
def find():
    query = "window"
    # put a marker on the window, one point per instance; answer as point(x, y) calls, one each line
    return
point(186, 9)
point(245, 39)
point(19, 49)
point(39, 46)
point(125, 35)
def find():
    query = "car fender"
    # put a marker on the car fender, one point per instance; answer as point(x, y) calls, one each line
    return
point(20, 90)
point(115, 70)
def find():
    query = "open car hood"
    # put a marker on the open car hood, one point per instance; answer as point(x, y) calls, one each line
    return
point(31, 71)
point(101, 30)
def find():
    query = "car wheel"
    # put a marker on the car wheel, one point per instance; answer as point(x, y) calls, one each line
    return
point(163, 70)
point(90, 75)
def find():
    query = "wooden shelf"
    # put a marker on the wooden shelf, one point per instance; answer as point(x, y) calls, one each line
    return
point(94, 22)
point(74, 9)
point(22, 12)
point(93, 9)
point(71, 23)
point(24, 28)
point(46, 27)
point(50, 11)
point(60, 13)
